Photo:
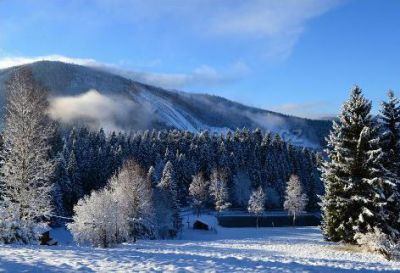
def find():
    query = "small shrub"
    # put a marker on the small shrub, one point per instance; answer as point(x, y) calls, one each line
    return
point(377, 241)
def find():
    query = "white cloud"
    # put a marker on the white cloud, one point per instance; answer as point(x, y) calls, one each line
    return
point(88, 105)
point(202, 76)
point(98, 110)
point(278, 23)
point(269, 17)
point(274, 25)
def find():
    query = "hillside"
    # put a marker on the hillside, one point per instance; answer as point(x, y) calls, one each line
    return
point(120, 103)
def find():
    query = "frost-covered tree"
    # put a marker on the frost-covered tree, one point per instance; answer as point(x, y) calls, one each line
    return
point(389, 142)
point(134, 195)
point(171, 220)
point(121, 212)
point(27, 170)
point(354, 200)
point(151, 176)
point(162, 214)
point(99, 220)
point(257, 203)
point(377, 241)
point(295, 198)
point(198, 190)
point(390, 133)
point(219, 191)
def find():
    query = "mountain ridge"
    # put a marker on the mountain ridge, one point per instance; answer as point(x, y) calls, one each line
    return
point(164, 108)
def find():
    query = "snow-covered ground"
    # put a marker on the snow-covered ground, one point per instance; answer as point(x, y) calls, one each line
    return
point(299, 249)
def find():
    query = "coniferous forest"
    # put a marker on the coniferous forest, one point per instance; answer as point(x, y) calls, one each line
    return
point(249, 159)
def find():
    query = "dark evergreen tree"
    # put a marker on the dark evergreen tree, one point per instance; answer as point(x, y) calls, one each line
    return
point(390, 133)
point(63, 198)
point(74, 177)
point(354, 198)
point(390, 144)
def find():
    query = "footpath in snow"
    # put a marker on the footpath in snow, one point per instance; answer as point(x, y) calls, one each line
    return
point(299, 249)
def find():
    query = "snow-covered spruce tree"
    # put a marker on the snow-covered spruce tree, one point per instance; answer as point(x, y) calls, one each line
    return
point(99, 220)
point(172, 222)
point(134, 194)
point(219, 191)
point(198, 190)
point(389, 119)
point(295, 198)
point(389, 142)
point(27, 170)
point(354, 199)
point(151, 177)
point(257, 203)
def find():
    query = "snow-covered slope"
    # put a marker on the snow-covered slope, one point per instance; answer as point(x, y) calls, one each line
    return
point(155, 107)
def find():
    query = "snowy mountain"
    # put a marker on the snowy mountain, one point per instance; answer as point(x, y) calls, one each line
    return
point(101, 98)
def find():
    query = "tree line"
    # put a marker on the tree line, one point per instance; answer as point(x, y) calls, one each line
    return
point(247, 159)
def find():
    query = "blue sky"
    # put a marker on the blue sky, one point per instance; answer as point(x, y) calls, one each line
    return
point(295, 56)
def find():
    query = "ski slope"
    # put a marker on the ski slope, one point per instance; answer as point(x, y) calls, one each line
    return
point(227, 250)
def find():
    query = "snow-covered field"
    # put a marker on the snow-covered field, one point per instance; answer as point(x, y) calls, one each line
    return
point(300, 249)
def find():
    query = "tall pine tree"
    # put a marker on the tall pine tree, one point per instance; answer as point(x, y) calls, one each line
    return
point(390, 133)
point(390, 144)
point(353, 199)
